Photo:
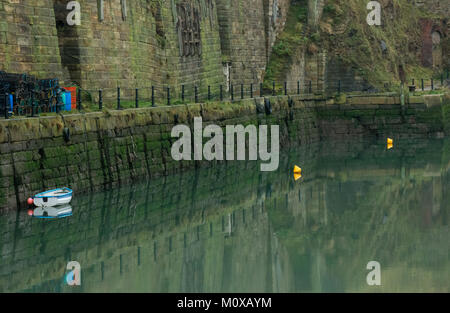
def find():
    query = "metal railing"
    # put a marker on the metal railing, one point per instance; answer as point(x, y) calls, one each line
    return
point(163, 95)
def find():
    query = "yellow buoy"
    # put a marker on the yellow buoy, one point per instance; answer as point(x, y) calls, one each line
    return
point(297, 172)
point(390, 143)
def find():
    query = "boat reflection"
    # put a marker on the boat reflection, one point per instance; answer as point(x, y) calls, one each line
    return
point(53, 212)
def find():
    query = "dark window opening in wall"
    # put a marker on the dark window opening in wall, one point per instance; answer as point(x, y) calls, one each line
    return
point(124, 9)
point(188, 28)
point(101, 10)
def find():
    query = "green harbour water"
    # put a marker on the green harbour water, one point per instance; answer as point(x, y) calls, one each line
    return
point(231, 228)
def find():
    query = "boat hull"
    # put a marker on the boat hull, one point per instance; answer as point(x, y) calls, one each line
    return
point(51, 201)
point(52, 198)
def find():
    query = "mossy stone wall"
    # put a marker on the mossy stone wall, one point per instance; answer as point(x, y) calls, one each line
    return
point(117, 147)
point(28, 41)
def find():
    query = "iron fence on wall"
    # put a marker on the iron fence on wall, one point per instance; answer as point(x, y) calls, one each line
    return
point(32, 97)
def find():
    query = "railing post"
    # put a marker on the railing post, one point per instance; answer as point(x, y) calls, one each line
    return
point(298, 87)
point(57, 104)
point(32, 103)
point(273, 88)
point(285, 88)
point(196, 94)
point(232, 92)
point(100, 100)
point(153, 96)
point(261, 92)
point(242, 91)
point(182, 93)
point(251, 91)
point(423, 86)
point(209, 93)
point(221, 92)
point(79, 100)
point(432, 84)
point(118, 98)
point(137, 98)
point(168, 95)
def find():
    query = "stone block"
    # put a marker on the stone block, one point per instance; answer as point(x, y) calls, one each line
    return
point(432, 100)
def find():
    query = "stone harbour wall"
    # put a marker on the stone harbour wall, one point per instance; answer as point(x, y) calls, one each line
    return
point(92, 151)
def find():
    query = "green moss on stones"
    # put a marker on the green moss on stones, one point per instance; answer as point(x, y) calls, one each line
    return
point(117, 148)
point(446, 113)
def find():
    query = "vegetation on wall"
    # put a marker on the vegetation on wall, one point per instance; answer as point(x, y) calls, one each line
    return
point(155, 7)
point(446, 112)
point(292, 38)
point(376, 52)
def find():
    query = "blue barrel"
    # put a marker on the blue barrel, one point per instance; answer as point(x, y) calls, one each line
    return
point(11, 103)
point(67, 99)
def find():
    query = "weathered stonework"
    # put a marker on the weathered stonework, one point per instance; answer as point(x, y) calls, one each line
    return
point(248, 29)
point(117, 147)
point(441, 7)
point(310, 53)
point(27, 38)
point(434, 43)
point(435, 34)
point(137, 44)
point(162, 44)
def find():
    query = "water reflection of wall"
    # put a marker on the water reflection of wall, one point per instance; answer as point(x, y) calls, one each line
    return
point(153, 225)
point(247, 231)
point(393, 211)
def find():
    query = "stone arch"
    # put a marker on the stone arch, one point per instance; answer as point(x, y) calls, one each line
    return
point(433, 37)
point(436, 38)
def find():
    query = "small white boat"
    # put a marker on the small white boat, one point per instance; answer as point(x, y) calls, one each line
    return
point(53, 198)
point(53, 212)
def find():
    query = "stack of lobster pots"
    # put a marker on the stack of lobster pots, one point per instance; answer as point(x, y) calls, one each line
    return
point(22, 94)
